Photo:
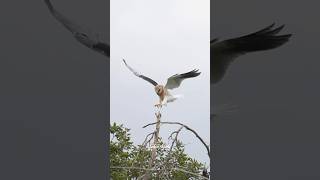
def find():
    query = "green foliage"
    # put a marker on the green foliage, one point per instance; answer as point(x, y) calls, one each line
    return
point(129, 161)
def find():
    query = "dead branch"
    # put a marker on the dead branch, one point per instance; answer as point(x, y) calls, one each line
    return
point(188, 128)
point(175, 139)
point(155, 144)
point(166, 163)
point(146, 140)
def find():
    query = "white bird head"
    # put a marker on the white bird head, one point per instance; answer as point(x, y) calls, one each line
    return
point(159, 89)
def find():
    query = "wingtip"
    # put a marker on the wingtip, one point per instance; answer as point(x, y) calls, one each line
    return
point(270, 26)
point(275, 31)
point(278, 29)
point(289, 35)
point(196, 71)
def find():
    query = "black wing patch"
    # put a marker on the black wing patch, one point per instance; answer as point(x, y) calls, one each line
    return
point(84, 36)
point(140, 75)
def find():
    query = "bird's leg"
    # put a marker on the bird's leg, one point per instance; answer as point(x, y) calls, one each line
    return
point(158, 105)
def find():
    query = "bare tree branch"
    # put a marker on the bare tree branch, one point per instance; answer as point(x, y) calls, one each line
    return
point(188, 128)
point(175, 138)
point(146, 140)
point(166, 164)
point(155, 144)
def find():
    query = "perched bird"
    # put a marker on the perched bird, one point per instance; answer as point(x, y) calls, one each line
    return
point(172, 82)
point(223, 53)
point(84, 36)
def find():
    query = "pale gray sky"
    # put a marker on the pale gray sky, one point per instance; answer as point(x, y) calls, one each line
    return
point(159, 39)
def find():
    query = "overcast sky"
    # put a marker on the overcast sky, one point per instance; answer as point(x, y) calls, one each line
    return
point(160, 39)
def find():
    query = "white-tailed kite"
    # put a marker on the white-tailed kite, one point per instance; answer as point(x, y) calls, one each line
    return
point(172, 82)
point(222, 53)
point(84, 36)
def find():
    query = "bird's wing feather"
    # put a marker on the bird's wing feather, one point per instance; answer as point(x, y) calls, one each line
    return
point(67, 23)
point(84, 36)
point(140, 75)
point(175, 80)
point(264, 39)
point(224, 52)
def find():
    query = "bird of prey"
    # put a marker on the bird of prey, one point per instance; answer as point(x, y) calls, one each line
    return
point(223, 53)
point(172, 83)
point(84, 36)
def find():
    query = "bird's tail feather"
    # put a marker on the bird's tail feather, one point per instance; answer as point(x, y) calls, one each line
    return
point(174, 97)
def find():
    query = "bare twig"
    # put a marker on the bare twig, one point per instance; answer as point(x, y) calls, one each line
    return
point(175, 139)
point(188, 128)
point(146, 140)
point(166, 164)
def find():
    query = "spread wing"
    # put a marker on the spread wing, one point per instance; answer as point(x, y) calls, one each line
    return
point(84, 36)
point(175, 80)
point(224, 52)
point(140, 75)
